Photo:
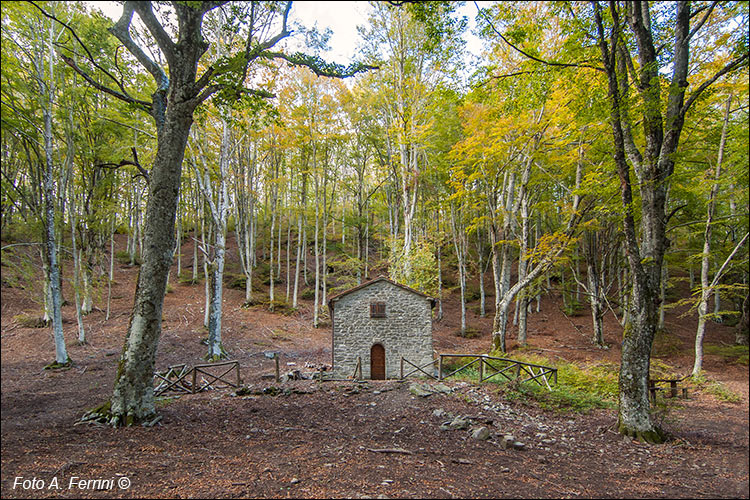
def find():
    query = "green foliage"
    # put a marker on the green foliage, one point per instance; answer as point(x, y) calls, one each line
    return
point(20, 271)
point(345, 270)
point(440, 26)
point(282, 307)
point(469, 333)
point(666, 344)
point(715, 388)
point(578, 389)
point(123, 257)
point(186, 278)
point(736, 354)
point(417, 270)
point(27, 321)
point(235, 281)
point(164, 401)
point(573, 308)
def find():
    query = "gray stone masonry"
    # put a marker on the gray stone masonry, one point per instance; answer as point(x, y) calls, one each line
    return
point(406, 329)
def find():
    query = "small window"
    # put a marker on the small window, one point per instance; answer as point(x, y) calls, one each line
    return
point(377, 309)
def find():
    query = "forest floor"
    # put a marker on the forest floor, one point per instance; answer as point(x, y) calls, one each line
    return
point(346, 439)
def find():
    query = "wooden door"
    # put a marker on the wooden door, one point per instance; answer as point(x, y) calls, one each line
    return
point(377, 362)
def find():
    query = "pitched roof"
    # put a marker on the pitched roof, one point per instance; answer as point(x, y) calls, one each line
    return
point(378, 279)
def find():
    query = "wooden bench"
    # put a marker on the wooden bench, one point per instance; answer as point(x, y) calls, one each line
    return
point(673, 388)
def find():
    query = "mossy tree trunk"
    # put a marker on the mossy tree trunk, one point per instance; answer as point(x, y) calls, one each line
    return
point(662, 120)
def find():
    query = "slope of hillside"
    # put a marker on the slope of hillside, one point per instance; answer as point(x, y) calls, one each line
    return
point(348, 439)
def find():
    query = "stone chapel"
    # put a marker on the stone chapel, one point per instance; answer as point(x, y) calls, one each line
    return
point(378, 322)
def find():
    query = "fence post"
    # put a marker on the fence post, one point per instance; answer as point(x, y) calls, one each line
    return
point(402, 368)
point(440, 367)
point(481, 369)
point(276, 358)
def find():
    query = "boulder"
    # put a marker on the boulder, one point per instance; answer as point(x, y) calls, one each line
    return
point(439, 413)
point(420, 391)
point(481, 433)
point(459, 423)
point(442, 388)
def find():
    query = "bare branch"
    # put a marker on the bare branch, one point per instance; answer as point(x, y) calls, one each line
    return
point(724, 265)
point(702, 21)
point(281, 35)
point(121, 30)
point(88, 53)
point(526, 54)
point(142, 171)
point(157, 30)
point(124, 97)
point(737, 63)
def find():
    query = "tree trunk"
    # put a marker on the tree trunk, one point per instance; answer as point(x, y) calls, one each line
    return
point(46, 89)
point(459, 243)
point(706, 256)
point(133, 396)
point(316, 296)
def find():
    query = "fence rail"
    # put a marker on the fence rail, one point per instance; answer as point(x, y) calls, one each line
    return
point(488, 367)
point(416, 368)
point(184, 379)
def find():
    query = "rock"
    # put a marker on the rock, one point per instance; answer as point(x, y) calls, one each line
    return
point(459, 423)
point(439, 413)
point(295, 480)
point(518, 445)
point(507, 441)
point(481, 433)
point(442, 388)
point(419, 391)
point(294, 375)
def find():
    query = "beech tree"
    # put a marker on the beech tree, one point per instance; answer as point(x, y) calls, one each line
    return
point(179, 90)
point(34, 39)
point(639, 66)
point(639, 59)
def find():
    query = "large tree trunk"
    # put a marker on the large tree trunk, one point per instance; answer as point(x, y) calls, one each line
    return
point(133, 395)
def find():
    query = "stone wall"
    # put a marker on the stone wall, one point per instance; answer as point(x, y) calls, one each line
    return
point(406, 329)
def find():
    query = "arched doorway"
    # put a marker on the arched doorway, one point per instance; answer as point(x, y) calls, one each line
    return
point(377, 362)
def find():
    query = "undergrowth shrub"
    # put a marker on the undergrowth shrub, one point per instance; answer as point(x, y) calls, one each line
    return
point(737, 354)
point(715, 388)
point(123, 257)
point(28, 321)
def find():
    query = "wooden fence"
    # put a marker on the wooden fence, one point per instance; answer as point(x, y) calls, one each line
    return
point(184, 379)
point(488, 367)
